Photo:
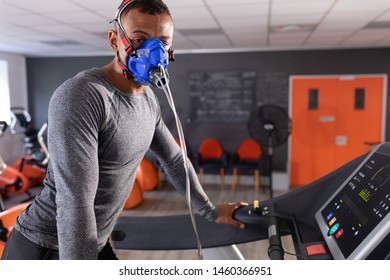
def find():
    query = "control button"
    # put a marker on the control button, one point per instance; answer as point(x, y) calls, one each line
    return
point(256, 204)
point(330, 216)
point(334, 229)
point(339, 233)
point(332, 221)
point(317, 249)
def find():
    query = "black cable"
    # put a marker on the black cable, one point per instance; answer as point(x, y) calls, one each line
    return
point(275, 247)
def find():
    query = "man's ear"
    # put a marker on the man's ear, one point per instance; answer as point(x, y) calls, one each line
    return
point(113, 39)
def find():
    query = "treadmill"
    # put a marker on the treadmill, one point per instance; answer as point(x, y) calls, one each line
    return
point(343, 215)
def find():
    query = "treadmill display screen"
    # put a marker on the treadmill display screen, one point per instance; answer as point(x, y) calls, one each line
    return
point(360, 205)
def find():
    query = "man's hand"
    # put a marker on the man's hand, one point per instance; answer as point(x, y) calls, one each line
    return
point(225, 213)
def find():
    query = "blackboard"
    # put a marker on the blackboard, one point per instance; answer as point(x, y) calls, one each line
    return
point(225, 96)
point(272, 88)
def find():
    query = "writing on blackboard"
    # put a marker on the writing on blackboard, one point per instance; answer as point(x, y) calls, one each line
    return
point(225, 96)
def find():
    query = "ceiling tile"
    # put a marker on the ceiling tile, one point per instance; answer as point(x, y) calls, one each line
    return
point(237, 31)
point(76, 17)
point(44, 6)
point(240, 11)
point(98, 5)
point(211, 41)
point(351, 6)
point(29, 20)
point(248, 23)
point(181, 3)
point(192, 13)
point(307, 7)
point(296, 19)
point(10, 10)
point(205, 23)
point(238, 3)
point(54, 29)
point(339, 23)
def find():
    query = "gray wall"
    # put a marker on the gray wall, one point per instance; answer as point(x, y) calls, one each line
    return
point(273, 70)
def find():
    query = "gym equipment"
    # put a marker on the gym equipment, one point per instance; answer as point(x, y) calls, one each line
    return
point(343, 215)
point(7, 221)
point(35, 158)
point(10, 178)
point(269, 125)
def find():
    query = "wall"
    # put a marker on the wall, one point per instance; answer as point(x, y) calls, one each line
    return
point(273, 70)
point(11, 146)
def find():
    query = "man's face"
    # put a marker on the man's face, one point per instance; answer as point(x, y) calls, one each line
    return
point(140, 27)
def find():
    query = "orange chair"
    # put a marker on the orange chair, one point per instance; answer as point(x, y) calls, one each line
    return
point(247, 157)
point(7, 220)
point(136, 196)
point(147, 175)
point(211, 155)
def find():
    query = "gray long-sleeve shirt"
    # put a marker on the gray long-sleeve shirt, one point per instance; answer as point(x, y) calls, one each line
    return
point(97, 137)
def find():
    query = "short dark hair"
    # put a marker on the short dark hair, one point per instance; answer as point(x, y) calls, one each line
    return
point(152, 7)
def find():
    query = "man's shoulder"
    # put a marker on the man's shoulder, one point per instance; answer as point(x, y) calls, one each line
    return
point(84, 78)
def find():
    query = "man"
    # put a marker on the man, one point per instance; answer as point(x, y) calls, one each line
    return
point(101, 123)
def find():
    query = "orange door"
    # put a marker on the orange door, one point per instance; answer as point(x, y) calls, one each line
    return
point(333, 120)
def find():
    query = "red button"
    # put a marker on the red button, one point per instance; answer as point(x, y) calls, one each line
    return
point(317, 249)
point(339, 233)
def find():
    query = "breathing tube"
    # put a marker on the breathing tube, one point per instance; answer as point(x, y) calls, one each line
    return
point(161, 76)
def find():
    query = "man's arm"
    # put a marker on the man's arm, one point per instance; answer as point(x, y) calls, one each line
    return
point(72, 139)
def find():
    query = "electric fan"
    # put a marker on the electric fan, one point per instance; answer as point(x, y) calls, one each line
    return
point(270, 126)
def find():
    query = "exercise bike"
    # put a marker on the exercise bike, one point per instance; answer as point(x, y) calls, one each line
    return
point(11, 179)
point(33, 163)
point(344, 215)
point(19, 185)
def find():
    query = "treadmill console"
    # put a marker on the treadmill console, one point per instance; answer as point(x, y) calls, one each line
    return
point(356, 218)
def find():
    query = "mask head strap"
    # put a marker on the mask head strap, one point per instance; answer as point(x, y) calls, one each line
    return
point(125, 40)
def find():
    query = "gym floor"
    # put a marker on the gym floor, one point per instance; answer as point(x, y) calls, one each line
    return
point(165, 200)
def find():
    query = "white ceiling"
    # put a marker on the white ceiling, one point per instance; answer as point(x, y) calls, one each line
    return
point(79, 27)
